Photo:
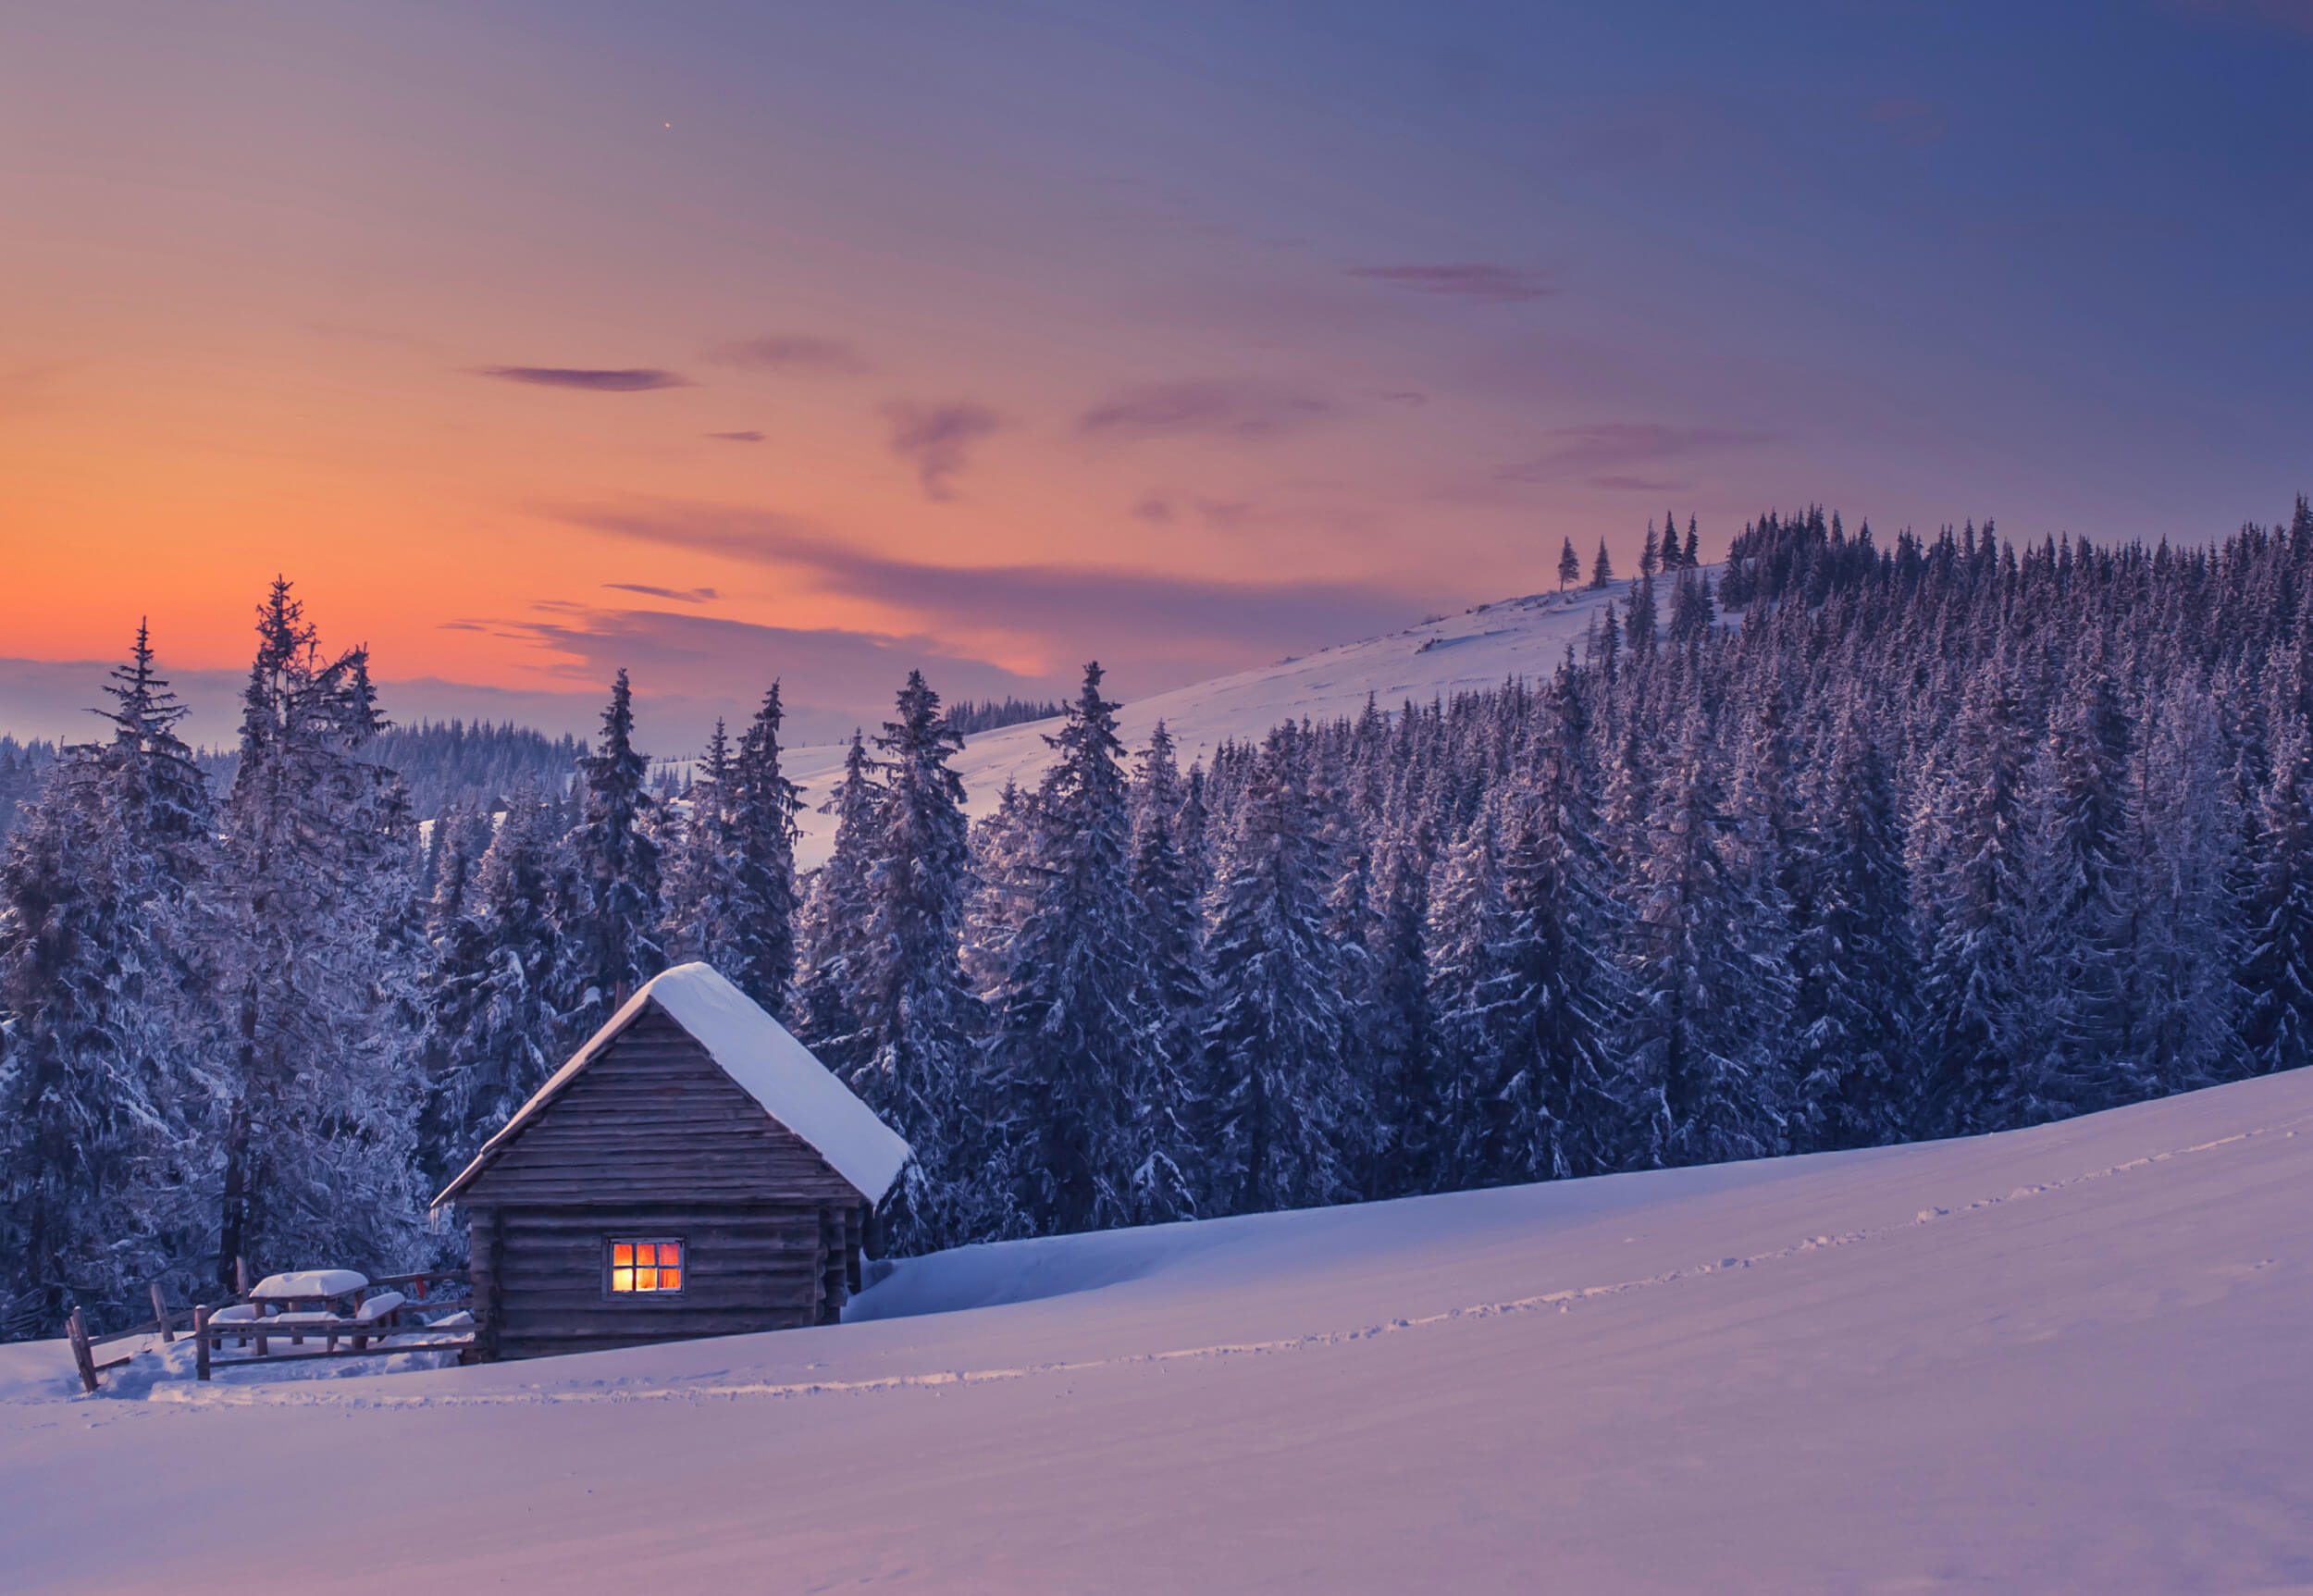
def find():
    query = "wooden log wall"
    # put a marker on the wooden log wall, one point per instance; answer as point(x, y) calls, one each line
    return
point(745, 1268)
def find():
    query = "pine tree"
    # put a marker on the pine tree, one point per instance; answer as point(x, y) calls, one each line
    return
point(760, 824)
point(918, 1020)
point(104, 1099)
point(1068, 1043)
point(493, 1032)
point(1698, 1071)
point(1852, 966)
point(1470, 996)
point(1275, 1039)
point(1569, 565)
point(2277, 972)
point(610, 909)
point(320, 935)
point(1165, 893)
point(835, 919)
point(1969, 865)
point(701, 875)
point(2082, 929)
point(1602, 568)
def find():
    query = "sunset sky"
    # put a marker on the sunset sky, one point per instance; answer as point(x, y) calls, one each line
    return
point(731, 341)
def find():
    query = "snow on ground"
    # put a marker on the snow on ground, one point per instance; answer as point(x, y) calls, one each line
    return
point(1478, 648)
point(2067, 1358)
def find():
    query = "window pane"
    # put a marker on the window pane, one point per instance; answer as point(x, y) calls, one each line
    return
point(622, 1280)
point(623, 1253)
point(670, 1280)
point(646, 1279)
point(670, 1255)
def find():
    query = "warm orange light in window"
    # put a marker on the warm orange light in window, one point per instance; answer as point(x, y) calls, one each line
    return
point(646, 1267)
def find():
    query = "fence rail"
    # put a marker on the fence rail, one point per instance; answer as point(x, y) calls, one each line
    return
point(167, 1323)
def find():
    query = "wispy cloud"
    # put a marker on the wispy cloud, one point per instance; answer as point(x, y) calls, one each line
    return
point(1483, 281)
point(1079, 612)
point(1244, 411)
point(792, 355)
point(625, 379)
point(680, 595)
point(749, 436)
point(936, 439)
point(1604, 452)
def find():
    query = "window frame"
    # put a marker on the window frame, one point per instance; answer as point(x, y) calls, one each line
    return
point(656, 1293)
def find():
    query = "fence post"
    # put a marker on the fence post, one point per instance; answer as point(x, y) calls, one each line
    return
point(82, 1359)
point(201, 1342)
point(160, 1312)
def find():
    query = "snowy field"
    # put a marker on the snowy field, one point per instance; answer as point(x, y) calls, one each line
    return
point(2067, 1358)
point(1479, 649)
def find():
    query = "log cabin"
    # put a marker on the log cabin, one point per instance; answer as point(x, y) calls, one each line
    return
point(692, 1170)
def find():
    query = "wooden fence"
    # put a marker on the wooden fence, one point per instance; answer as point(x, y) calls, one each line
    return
point(257, 1334)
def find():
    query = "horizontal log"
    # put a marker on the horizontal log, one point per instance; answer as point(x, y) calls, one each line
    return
point(570, 1338)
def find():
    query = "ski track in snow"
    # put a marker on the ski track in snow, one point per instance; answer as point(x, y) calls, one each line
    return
point(1562, 1301)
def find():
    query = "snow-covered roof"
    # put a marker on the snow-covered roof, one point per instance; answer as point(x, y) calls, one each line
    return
point(761, 1056)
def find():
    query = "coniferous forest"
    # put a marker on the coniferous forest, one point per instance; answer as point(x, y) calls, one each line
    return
point(1871, 842)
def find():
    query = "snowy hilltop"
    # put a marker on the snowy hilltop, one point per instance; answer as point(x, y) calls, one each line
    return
point(1476, 649)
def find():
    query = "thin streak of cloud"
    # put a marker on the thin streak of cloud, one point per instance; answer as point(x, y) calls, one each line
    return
point(792, 355)
point(1072, 607)
point(680, 595)
point(1244, 411)
point(623, 379)
point(749, 436)
point(1482, 283)
point(935, 439)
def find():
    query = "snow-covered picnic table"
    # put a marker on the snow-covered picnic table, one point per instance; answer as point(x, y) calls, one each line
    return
point(314, 1288)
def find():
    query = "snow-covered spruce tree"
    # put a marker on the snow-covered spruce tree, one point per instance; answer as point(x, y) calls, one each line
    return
point(1470, 995)
point(1005, 851)
point(2082, 932)
point(319, 951)
point(759, 822)
point(917, 1021)
point(1969, 871)
point(834, 920)
point(1407, 1158)
point(1558, 1112)
point(1853, 967)
point(1069, 1050)
point(105, 1099)
point(1165, 894)
point(493, 1033)
point(700, 875)
point(1274, 1039)
point(610, 909)
point(1697, 1059)
point(2276, 969)
point(2189, 925)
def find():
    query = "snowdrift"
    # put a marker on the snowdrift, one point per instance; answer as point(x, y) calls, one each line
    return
point(2066, 1358)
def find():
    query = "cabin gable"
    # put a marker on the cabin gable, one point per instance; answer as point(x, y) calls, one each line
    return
point(652, 1119)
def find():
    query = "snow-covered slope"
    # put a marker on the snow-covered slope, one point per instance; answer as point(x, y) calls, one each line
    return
point(1480, 648)
point(2067, 1358)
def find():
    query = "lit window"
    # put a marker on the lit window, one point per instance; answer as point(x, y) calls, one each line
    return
point(646, 1267)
